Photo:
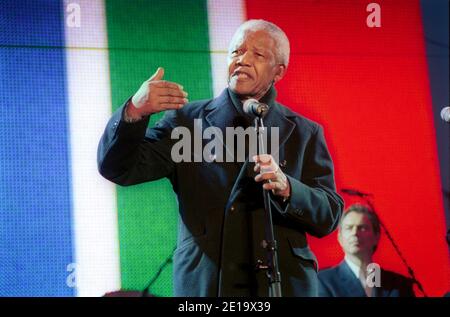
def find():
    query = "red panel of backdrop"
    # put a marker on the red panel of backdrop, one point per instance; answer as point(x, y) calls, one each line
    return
point(369, 88)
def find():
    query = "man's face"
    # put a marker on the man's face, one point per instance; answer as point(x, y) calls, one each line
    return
point(356, 235)
point(252, 64)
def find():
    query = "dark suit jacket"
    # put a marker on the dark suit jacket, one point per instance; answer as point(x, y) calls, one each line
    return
point(340, 281)
point(221, 211)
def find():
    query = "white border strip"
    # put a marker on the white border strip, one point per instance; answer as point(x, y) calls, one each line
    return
point(95, 225)
point(224, 17)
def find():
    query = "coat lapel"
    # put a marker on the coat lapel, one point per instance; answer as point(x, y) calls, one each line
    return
point(351, 286)
point(222, 113)
point(277, 119)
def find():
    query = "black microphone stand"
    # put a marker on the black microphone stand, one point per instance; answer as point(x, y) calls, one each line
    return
point(365, 197)
point(145, 292)
point(270, 244)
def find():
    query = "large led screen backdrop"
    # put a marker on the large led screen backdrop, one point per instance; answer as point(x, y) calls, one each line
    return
point(66, 65)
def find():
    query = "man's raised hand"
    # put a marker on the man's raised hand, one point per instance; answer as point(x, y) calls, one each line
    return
point(156, 95)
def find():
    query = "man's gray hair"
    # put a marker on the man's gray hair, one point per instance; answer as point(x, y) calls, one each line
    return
point(281, 41)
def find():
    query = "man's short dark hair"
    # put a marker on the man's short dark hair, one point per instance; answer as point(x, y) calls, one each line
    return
point(366, 210)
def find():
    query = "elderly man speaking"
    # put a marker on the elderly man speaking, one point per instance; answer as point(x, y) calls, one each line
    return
point(221, 209)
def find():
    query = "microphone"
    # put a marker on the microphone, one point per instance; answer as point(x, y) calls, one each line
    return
point(354, 192)
point(445, 114)
point(255, 108)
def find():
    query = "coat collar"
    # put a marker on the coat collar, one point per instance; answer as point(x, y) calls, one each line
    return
point(222, 114)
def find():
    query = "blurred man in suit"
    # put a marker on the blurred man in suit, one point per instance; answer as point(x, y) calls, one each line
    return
point(359, 234)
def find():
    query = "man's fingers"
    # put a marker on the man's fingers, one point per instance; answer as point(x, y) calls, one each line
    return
point(158, 75)
point(265, 167)
point(276, 186)
point(170, 106)
point(170, 99)
point(264, 159)
point(167, 84)
point(175, 92)
point(269, 186)
point(156, 94)
point(265, 176)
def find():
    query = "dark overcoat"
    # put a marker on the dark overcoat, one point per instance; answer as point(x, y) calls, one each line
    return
point(221, 211)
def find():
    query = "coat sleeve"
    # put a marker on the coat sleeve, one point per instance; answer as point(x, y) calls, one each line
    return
point(129, 153)
point(314, 202)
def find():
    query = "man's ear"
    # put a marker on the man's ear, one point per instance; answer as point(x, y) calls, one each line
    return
point(280, 72)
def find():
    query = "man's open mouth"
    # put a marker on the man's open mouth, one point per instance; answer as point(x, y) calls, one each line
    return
point(241, 75)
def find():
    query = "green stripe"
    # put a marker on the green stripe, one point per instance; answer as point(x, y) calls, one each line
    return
point(143, 35)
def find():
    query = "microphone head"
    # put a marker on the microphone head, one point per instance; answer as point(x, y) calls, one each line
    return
point(255, 108)
point(248, 105)
point(445, 114)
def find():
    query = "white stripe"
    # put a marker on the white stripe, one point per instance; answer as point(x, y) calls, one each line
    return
point(94, 199)
point(224, 17)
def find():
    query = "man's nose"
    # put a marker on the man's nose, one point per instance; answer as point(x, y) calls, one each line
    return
point(244, 59)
